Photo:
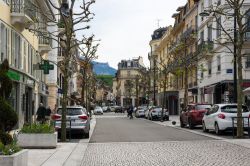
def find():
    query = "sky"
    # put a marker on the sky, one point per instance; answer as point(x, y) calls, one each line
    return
point(124, 27)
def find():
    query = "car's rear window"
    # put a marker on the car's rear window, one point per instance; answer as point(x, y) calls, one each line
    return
point(72, 111)
point(233, 109)
point(202, 107)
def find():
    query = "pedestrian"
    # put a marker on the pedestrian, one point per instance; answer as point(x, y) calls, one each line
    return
point(131, 109)
point(47, 114)
point(41, 112)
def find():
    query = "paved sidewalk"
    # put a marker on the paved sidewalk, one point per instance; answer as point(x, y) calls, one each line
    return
point(66, 154)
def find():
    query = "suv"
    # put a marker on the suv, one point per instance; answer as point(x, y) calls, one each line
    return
point(77, 115)
point(193, 115)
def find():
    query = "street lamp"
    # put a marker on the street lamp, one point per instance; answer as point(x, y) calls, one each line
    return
point(206, 13)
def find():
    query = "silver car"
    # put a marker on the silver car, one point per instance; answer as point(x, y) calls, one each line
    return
point(98, 110)
point(77, 117)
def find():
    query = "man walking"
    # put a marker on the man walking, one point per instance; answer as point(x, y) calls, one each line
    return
point(41, 112)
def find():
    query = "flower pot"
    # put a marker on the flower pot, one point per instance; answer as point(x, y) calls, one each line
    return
point(37, 140)
point(17, 159)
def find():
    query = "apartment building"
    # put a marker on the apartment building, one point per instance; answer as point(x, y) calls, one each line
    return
point(129, 82)
point(216, 83)
point(25, 51)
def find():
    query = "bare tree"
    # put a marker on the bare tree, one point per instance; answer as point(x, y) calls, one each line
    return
point(232, 18)
point(73, 18)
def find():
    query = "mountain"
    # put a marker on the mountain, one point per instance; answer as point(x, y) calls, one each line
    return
point(103, 69)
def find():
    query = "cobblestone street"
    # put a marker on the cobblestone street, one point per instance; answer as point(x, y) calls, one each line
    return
point(120, 141)
point(172, 153)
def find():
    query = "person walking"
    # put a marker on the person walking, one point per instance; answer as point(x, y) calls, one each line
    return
point(41, 112)
point(47, 114)
point(131, 109)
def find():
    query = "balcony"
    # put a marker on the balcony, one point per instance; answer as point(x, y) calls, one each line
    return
point(22, 14)
point(45, 43)
point(205, 46)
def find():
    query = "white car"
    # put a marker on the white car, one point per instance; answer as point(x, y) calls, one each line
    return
point(219, 118)
point(140, 112)
point(155, 113)
point(105, 109)
point(98, 110)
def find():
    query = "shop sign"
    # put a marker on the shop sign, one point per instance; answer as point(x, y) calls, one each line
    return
point(13, 75)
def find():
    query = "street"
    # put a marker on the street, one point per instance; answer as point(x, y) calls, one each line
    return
point(118, 140)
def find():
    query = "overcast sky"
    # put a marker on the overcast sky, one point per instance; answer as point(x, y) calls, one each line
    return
point(125, 26)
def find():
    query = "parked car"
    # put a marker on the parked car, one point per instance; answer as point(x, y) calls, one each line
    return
point(140, 112)
point(155, 113)
point(98, 110)
point(105, 109)
point(80, 121)
point(118, 109)
point(219, 118)
point(193, 115)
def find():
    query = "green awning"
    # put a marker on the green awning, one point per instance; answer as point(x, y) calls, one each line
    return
point(13, 75)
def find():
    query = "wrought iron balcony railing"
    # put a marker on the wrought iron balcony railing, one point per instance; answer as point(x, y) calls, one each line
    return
point(23, 6)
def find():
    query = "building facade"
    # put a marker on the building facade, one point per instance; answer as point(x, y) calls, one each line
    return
point(25, 51)
point(129, 91)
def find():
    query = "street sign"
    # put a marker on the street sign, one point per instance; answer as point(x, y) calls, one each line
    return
point(46, 67)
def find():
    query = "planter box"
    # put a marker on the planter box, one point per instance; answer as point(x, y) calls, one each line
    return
point(37, 141)
point(17, 159)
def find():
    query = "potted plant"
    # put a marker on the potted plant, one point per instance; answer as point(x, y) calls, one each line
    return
point(10, 153)
point(37, 135)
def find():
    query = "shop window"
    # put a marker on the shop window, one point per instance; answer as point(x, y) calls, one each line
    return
point(248, 62)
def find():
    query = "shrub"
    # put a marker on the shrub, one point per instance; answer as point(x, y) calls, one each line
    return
point(9, 149)
point(5, 138)
point(38, 128)
point(8, 116)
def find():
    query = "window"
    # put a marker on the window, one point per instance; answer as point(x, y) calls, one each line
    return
point(3, 42)
point(248, 25)
point(202, 9)
point(218, 27)
point(218, 63)
point(209, 67)
point(210, 30)
point(202, 36)
point(248, 62)
point(209, 3)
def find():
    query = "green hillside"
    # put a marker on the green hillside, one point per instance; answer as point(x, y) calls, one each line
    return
point(107, 79)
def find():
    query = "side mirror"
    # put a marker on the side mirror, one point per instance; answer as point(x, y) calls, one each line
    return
point(207, 112)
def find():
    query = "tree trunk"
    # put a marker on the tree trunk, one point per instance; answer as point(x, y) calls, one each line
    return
point(185, 89)
point(137, 93)
point(164, 96)
point(239, 94)
point(64, 106)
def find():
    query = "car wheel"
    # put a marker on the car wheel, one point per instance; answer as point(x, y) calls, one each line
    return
point(204, 127)
point(151, 117)
point(217, 129)
point(190, 124)
point(167, 118)
point(86, 135)
point(182, 124)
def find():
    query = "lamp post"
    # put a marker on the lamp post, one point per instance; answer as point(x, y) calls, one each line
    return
point(207, 13)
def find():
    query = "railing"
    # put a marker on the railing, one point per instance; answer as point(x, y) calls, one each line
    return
point(45, 39)
point(23, 6)
point(205, 45)
point(248, 127)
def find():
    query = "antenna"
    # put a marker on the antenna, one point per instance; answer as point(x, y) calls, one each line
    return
point(158, 22)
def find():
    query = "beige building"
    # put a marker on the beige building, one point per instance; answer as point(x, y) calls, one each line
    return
point(25, 51)
point(165, 53)
point(128, 88)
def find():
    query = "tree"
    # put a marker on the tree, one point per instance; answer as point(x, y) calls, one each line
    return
point(8, 116)
point(233, 37)
point(72, 21)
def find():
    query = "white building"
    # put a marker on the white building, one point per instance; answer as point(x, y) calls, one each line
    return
point(215, 83)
